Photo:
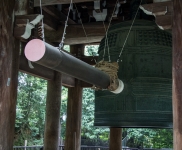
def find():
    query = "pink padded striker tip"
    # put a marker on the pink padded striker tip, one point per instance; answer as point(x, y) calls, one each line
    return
point(35, 50)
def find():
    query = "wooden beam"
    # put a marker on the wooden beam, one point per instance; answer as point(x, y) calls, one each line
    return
point(55, 2)
point(49, 22)
point(160, 8)
point(9, 49)
point(23, 7)
point(162, 12)
point(115, 139)
point(54, 12)
point(73, 122)
point(53, 103)
point(75, 34)
point(164, 22)
point(177, 75)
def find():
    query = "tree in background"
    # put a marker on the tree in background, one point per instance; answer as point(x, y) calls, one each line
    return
point(30, 110)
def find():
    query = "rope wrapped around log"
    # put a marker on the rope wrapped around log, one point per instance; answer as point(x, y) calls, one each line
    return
point(111, 68)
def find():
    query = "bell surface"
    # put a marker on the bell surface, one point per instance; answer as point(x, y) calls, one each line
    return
point(145, 67)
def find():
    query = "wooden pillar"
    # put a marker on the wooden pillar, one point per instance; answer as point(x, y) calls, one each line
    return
point(177, 74)
point(73, 122)
point(53, 102)
point(115, 139)
point(9, 50)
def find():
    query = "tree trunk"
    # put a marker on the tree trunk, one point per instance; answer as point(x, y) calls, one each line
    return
point(53, 102)
point(177, 74)
point(115, 139)
point(9, 50)
point(73, 122)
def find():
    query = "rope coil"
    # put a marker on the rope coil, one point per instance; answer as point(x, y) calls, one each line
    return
point(110, 68)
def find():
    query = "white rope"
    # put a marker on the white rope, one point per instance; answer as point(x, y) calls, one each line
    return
point(42, 27)
point(106, 39)
point(66, 24)
point(128, 33)
point(84, 31)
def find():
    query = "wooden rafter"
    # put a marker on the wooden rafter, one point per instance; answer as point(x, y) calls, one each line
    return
point(54, 2)
point(162, 12)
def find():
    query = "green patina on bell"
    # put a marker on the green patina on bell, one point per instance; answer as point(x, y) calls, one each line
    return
point(146, 71)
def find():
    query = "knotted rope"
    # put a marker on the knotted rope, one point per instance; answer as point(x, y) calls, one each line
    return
point(110, 68)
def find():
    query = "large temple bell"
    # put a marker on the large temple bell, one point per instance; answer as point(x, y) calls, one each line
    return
point(145, 68)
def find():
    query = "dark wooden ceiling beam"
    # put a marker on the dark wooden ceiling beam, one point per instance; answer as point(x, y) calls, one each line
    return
point(55, 2)
point(160, 8)
point(54, 12)
point(162, 12)
point(75, 34)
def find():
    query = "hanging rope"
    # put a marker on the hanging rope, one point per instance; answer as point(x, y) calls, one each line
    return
point(66, 24)
point(41, 28)
point(128, 33)
point(84, 32)
point(111, 69)
point(106, 39)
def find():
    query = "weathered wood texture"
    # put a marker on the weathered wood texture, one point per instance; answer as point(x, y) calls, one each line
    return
point(177, 75)
point(9, 50)
point(54, 2)
point(115, 142)
point(53, 103)
point(75, 34)
point(23, 7)
point(43, 72)
point(162, 12)
point(73, 122)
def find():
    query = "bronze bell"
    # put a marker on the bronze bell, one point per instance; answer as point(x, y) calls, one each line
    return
point(145, 67)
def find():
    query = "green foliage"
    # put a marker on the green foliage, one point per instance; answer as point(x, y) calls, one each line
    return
point(30, 110)
point(91, 50)
point(88, 130)
point(154, 138)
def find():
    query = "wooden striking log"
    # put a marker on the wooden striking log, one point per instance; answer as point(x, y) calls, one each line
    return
point(53, 103)
point(177, 75)
point(44, 72)
point(49, 56)
point(73, 122)
point(9, 51)
point(115, 142)
point(54, 2)
point(48, 74)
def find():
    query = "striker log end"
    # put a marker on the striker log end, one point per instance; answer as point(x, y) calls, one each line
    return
point(35, 50)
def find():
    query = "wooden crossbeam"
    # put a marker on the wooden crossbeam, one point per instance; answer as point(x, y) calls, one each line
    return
point(54, 2)
point(75, 34)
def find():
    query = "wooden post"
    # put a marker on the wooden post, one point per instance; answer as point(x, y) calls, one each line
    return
point(177, 74)
point(115, 139)
point(9, 50)
point(53, 102)
point(73, 122)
